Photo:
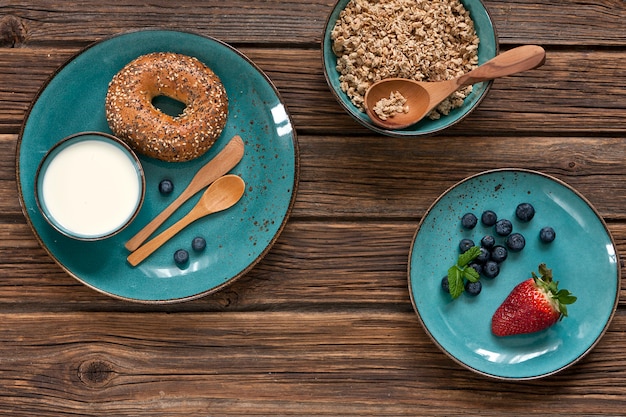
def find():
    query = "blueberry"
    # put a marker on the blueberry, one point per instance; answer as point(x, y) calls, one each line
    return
point(525, 212)
point(491, 269)
point(476, 267)
point(166, 186)
point(515, 242)
point(465, 245)
point(445, 284)
point(484, 255)
point(488, 242)
point(469, 220)
point(489, 218)
point(499, 254)
point(198, 244)
point(504, 227)
point(181, 256)
point(473, 288)
point(547, 234)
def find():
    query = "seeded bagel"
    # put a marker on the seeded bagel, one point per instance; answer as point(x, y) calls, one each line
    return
point(133, 118)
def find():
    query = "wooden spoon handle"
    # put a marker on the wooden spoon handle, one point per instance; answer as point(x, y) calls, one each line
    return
point(511, 62)
point(146, 250)
point(215, 168)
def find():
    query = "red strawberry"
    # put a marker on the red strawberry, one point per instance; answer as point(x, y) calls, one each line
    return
point(533, 305)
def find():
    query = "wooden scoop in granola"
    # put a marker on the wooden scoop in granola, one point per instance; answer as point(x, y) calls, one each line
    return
point(416, 99)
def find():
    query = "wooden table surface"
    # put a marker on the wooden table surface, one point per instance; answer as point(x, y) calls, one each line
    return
point(323, 325)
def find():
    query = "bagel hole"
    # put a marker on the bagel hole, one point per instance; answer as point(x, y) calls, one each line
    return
point(168, 105)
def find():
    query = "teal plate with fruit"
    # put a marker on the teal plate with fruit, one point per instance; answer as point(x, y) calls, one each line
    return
point(72, 101)
point(583, 258)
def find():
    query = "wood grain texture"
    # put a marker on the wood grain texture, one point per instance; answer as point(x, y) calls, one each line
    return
point(287, 22)
point(323, 325)
point(192, 363)
point(577, 100)
point(397, 178)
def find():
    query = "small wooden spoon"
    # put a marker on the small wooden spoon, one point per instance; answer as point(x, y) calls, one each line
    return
point(223, 162)
point(220, 195)
point(422, 97)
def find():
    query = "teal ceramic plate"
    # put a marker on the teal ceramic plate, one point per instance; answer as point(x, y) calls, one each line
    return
point(73, 101)
point(487, 49)
point(583, 248)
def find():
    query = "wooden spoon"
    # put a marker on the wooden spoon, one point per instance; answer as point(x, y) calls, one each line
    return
point(422, 97)
point(220, 195)
point(223, 162)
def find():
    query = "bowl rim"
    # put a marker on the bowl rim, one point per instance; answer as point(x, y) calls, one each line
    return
point(340, 96)
point(79, 137)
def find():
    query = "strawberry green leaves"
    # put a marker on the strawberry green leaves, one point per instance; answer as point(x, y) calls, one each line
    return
point(457, 274)
point(561, 297)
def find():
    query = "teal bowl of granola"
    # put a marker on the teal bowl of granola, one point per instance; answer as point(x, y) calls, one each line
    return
point(365, 41)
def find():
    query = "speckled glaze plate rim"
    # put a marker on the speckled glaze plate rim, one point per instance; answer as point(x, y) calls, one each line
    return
point(435, 328)
point(426, 127)
point(291, 144)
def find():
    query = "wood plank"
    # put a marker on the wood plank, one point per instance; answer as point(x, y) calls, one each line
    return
point(273, 21)
point(314, 266)
point(326, 363)
point(277, 22)
point(380, 177)
point(547, 100)
point(299, 263)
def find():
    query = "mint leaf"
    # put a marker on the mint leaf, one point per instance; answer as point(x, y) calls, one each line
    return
point(455, 281)
point(468, 256)
point(470, 274)
point(460, 272)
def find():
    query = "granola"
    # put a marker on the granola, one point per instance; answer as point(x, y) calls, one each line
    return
point(424, 40)
point(389, 107)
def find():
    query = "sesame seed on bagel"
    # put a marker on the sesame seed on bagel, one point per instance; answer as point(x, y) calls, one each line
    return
point(133, 118)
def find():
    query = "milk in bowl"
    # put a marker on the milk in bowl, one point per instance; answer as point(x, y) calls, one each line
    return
point(90, 186)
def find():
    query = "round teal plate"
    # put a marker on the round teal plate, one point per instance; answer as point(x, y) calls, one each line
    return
point(73, 101)
point(583, 248)
point(487, 49)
